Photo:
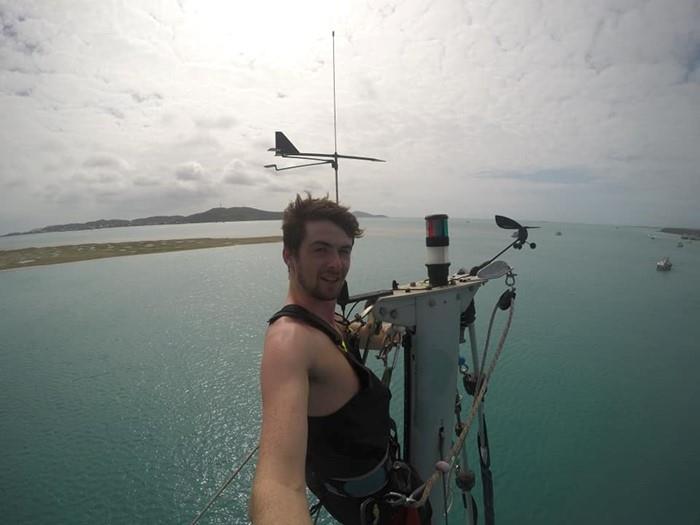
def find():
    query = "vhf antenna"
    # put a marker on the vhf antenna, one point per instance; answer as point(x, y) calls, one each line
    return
point(284, 147)
point(335, 124)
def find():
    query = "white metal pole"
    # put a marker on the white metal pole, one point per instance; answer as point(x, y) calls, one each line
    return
point(434, 314)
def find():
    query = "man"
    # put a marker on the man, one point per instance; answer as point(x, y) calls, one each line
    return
point(325, 416)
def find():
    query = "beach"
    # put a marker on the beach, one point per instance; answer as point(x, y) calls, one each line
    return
point(44, 255)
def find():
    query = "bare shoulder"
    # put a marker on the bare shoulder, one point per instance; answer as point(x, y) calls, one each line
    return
point(289, 343)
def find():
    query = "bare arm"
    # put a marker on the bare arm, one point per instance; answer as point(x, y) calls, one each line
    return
point(279, 487)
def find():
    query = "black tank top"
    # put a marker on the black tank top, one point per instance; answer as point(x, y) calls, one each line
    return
point(354, 439)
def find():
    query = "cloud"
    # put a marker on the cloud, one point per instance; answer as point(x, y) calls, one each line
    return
point(189, 171)
point(278, 187)
point(19, 32)
point(145, 181)
point(66, 194)
point(146, 97)
point(309, 184)
point(549, 176)
point(689, 57)
point(103, 177)
point(105, 160)
point(13, 184)
point(528, 104)
point(183, 197)
point(239, 173)
point(199, 142)
point(241, 179)
point(115, 112)
point(292, 186)
point(221, 122)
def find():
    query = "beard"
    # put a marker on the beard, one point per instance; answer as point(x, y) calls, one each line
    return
point(320, 289)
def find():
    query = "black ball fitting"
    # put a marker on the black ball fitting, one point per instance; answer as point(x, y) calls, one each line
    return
point(506, 299)
point(465, 480)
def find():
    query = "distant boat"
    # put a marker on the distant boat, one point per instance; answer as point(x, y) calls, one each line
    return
point(664, 265)
point(680, 245)
point(558, 233)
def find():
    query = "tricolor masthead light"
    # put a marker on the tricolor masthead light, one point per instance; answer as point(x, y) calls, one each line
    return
point(437, 241)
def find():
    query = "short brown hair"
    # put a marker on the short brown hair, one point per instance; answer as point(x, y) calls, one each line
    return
point(303, 210)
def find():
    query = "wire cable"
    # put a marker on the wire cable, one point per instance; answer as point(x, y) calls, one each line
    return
point(225, 484)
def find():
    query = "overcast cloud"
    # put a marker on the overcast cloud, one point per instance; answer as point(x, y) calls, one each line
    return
point(570, 110)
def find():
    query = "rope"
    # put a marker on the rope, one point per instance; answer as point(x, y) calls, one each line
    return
point(427, 487)
point(482, 365)
point(223, 487)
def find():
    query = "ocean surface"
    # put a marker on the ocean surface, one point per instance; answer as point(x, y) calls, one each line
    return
point(129, 386)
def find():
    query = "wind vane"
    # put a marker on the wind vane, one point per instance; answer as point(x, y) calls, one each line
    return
point(284, 147)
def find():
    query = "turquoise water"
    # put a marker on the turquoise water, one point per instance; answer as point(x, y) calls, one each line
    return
point(129, 385)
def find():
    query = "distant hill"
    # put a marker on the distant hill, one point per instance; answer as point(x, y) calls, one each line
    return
point(214, 215)
point(690, 232)
point(365, 215)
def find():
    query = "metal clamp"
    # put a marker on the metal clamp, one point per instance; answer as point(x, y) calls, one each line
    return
point(395, 499)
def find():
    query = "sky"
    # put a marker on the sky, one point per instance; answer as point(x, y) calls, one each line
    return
point(557, 110)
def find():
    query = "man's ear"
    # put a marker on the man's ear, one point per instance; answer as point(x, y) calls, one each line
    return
point(287, 257)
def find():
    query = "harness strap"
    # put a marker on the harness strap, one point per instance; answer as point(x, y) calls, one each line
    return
point(299, 312)
point(389, 469)
point(365, 485)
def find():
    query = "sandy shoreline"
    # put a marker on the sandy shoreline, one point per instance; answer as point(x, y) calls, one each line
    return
point(25, 257)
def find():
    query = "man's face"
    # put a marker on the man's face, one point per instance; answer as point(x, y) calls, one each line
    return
point(323, 260)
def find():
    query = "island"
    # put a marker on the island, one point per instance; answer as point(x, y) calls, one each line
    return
point(25, 257)
point(235, 214)
point(685, 233)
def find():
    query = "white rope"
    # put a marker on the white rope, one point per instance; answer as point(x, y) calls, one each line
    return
point(456, 448)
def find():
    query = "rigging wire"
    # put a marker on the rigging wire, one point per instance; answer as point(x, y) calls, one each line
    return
point(225, 484)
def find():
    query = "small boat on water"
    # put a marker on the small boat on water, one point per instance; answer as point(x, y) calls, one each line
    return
point(664, 265)
point(680, 245)
point(558, 234)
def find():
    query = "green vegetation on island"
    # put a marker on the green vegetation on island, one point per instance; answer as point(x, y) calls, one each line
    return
point(684, 232)
point(25, 257)
point(239, 213)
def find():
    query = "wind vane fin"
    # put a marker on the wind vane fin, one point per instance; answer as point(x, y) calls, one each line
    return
point(284, 147)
